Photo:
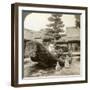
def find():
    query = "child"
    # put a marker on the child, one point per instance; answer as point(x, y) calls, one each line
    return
point(58, 67)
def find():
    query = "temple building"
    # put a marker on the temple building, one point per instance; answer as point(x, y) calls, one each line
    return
point(71, 40)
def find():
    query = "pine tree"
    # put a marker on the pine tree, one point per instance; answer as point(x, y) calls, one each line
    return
point(54, 27)
point(77, 17)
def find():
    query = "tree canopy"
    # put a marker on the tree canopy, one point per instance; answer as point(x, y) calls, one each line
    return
point(77, 17)
point(54, 27)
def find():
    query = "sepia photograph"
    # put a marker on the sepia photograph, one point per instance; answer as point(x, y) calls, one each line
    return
point(49, 44)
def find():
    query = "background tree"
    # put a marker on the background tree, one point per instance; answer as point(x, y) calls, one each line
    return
point(77, 17)
point(54, 27)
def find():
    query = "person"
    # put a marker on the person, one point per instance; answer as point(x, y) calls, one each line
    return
point(67, 61)
point(70, 55)
point(51, 48)
point(58, 67)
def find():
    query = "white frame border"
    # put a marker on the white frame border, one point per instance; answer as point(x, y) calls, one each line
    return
point(62, 78)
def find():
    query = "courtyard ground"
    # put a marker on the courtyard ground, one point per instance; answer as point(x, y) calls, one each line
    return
point(31, 69)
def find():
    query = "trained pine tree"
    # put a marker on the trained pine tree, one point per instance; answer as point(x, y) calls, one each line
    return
point(54, 27)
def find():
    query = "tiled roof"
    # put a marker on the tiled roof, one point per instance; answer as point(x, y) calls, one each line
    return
point(33, 35)
point(28, 34)
point(72, 34)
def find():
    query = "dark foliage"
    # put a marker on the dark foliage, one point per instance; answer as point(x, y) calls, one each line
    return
point(77, 17)
point(41, 55)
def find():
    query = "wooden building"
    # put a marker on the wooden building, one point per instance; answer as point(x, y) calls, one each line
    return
point(71, 41)
point(31, 35)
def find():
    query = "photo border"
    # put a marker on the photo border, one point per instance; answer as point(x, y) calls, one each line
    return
point(15, 40)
